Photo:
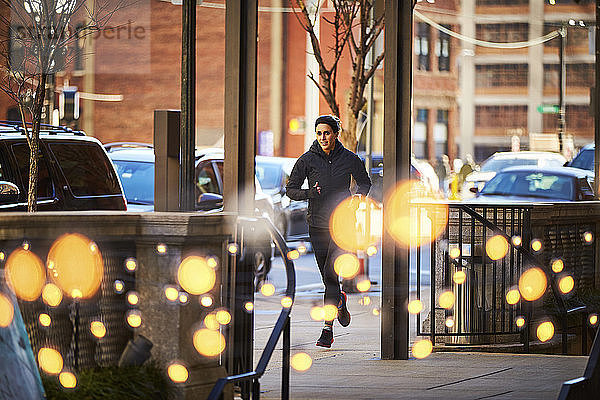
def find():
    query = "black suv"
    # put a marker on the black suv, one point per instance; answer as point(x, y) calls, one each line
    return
point(75, 172)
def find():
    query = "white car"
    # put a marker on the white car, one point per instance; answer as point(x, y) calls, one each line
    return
point(501, 160)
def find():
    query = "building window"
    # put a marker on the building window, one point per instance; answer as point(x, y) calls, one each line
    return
point(551, 75)
point(419, 142)
point(500, 75)
point(422, 46)
point(501, 2)
point(578, 117)
point(580, 75)
point(440, 133)
point(503, 33)
point(442, 50)
point(501, 117)
point(79, 47)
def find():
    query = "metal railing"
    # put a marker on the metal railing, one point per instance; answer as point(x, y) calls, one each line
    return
point(282, 326)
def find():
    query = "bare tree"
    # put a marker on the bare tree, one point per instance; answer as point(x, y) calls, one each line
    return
point(37, 39)
point(355, 31)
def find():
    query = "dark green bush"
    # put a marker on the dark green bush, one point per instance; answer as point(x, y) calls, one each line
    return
point(128, 383)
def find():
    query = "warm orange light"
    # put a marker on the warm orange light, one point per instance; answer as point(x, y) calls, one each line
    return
point(206, 301)
point(161, 248)
point(346, 266)
point(317, 313)
point(50, 360)
point(496, 247)
point(7, 311)
point(302, 249)
point(422, 348)
point(412, 217)
point(52, 295)
point(301, 362)
point(67, 380)
point(415, 306)
point(133, 298)
point(459, 277)
point(566, 284)
point(45, 319)
point(446, 299)
point(293, 254)
point(517, 241)
point(545, 331)
point(232, 248)
point(25, 274)
point(355, 225)
point(513, 296)
point(267, 289)
point(183, 298)
point(454, 252)
point(286, 302)
point(2, 256)
point(171, 293)
point(134, 318)
point(371, 251)
point(364, 301)
point(131, 264)
point(177, 373)
point(98, 329)
point(593, 319)
point(119, 286)
point(449, 322)
point(195, 276)
point(536, 245)
point(223, 317)
point(77, 265)
point(557, 266)
point(329, 312)
point(249, 306)
point(210, 322)
point(532, 284)
point(588, 237)
point(520, 322)
point(363, 285)
point(376, 311)
point(209, 343)
point(212, 262)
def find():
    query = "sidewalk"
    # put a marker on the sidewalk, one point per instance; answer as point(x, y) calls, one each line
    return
point(352, 368)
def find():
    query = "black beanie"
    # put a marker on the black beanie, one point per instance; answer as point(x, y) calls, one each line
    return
point(331, 120)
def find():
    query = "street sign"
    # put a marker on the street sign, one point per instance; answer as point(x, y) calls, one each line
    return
point(548, 109)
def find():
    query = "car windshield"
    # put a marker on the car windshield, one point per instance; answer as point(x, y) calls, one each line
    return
point(268, 175)
point(137, 179)
point(498, 164)
point(530, 184)
point(584, 160)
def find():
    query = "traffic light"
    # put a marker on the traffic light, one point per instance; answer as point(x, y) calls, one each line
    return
point(68, 103)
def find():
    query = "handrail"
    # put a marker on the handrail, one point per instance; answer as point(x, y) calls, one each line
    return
point(283, 322)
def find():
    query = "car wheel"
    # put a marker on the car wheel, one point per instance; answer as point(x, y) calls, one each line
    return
point(262, 266)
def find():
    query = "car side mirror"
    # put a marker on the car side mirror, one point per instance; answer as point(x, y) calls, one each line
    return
point(9, 192)
point(209, 201)
point(474, 189)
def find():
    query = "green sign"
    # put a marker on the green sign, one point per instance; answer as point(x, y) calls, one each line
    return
point(548, 109)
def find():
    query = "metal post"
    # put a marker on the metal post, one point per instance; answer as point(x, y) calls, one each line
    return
point(285, 372)
point(397, 103)
point(188, 106)
point(76, 338)
point(561, 87)
point(597, 105)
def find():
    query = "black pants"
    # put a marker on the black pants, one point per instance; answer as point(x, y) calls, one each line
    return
point(326, 251)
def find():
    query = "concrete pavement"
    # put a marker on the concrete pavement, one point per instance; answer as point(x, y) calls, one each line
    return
point(352, 368)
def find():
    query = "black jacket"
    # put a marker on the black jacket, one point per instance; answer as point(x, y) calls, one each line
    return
point(333, 174)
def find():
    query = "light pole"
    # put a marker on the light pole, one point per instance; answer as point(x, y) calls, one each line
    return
point(561, 86)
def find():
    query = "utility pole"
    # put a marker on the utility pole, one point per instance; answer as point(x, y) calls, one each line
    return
point(561, 87)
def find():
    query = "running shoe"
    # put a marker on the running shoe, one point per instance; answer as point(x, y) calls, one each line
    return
point(343, 313)
point(326, 338)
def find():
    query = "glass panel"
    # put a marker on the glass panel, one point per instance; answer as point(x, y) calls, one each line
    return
point(45, 188)
point(137, 179)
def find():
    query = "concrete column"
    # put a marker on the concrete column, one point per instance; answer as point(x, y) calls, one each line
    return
point(536, 67)
point(466, 62)
point(311, 100)
point(276, 78)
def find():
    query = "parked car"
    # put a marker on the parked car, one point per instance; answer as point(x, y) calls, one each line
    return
point(290, 215)
point(135, 166)
point(584, 159)
point(74, 171)
point(537, 184)
point(501, 160)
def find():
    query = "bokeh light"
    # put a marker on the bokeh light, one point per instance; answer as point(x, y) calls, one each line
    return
point(346, 265)
point(52, 295)
point(566, 284)
point(513, 296)
point(302, 249)
point(134, 318)
point(2, 256)
point(267, 289)
point(588, 237)
point(520, 322)
point(119, 286)
point(371, 251)
point(133, 298)
point(98, 329)
point(195, 276)
point(50, 360)
point(232, 248)
point(317, 313)
point(415, 306)
point(206, 301)
point(412, 217)
point(376, 311)
point(45, 319)
point(329, 312)
point(293, 254)
point(517, 241)
point(171, 293)
point(454, 252)
point(446, 299)
point(593, 319)
point(363, 285)
point(356, 225)
point(301, 362)
point(536, 245)
point(364, 301)
point(459, 277)
point(161, 248)
point(249, 306)
point(532, 284)
point(7, 311)
point(210, 322)
point(286, 302)
point(449, 322)
point(177, 373)
point(78, 265)
point(67, 380)
point(131, 264)
point(183, 298)
point(545, 331)
point(212, 262)
point(422, 348)
point(557, 266)
point(25, 274)
point(496, 247)
point(223, 317)
point(209, 343)
point(25, 245)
